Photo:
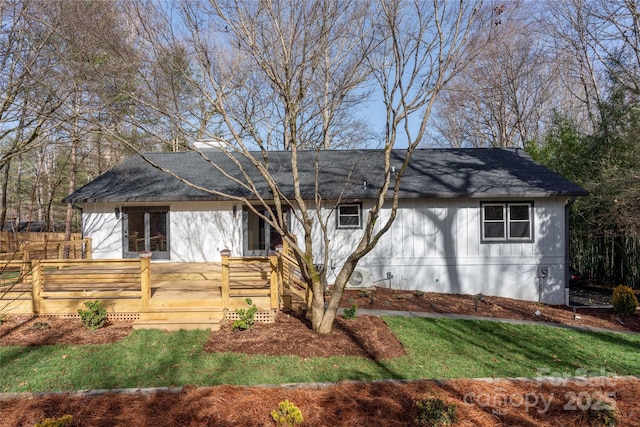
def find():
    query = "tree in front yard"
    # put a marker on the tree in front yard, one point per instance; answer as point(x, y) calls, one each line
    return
point(256, 77)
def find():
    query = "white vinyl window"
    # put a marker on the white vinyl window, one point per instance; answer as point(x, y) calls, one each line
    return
point(349, 215)
point(508, 221)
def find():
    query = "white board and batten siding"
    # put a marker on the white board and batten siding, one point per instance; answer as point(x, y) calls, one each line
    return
point(435, 245)
point(198, 231)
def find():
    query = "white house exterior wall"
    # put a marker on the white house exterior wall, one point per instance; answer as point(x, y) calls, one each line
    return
point(99, 222)
point(435, 245)
point(198, 231)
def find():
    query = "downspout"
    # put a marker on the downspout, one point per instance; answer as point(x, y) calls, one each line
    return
point(567, 253)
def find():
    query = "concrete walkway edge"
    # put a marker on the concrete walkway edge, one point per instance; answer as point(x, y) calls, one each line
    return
point(552, 380)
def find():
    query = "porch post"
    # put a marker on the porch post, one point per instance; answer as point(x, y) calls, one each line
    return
point(88, 250)
point(273, 288)
point(145, 278)
point(36, 291)
point(25, 266)
point(280, 252)
point(226, 276)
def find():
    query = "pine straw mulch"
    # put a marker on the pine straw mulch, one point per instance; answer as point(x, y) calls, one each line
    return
point(366, 336)
point(478, 403)
point(31, 331)
point(488, 306)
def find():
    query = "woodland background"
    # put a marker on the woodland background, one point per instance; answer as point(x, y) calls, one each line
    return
point(84, 84)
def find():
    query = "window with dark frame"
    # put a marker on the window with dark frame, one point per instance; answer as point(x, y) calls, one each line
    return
point(349, 215)
point(507, 221)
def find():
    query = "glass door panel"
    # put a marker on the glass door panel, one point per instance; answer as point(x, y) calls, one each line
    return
point(256, 236)
point(146, 229)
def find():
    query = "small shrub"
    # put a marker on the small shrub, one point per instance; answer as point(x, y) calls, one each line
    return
point(418, 294)
point(287, 414)
point(365, 293)
point(350, 313)
point(56, 422)
point(604, 415)
point(624, 300)
point(95, 316)
point(40, 325)
point(434, 412)
point(247, 317)
point(476, 299)
point(398, 297)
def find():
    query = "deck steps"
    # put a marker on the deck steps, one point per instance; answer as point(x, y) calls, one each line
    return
point(185, 294)
point(176, 325)
point(180, 318)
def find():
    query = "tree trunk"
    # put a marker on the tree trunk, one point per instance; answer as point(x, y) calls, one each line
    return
point(323, 314)
point(72, 187)
point(5, 187)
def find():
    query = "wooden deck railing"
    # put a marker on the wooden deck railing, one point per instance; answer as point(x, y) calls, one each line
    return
point(251, 276)
point(59, 289)
point(291, 281)
point(62, 286)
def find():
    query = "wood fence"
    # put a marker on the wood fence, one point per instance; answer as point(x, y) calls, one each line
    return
point(48, 249)
point(10, 241)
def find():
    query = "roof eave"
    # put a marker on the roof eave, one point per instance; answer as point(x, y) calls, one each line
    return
point(403, 195)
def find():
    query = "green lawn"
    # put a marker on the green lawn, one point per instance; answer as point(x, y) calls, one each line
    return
point(436, 349)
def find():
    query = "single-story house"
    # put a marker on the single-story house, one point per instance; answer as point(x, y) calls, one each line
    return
point(470, 221)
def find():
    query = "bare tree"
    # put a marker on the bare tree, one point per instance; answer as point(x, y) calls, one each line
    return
point(599, 41)
point(506, 96)
point(26, 98)
point(286, 75)
point(90, 48)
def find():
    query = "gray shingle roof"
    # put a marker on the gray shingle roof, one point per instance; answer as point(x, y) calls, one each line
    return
point(432, 173)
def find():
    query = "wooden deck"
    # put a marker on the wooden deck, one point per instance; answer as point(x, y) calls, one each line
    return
point(153, 295)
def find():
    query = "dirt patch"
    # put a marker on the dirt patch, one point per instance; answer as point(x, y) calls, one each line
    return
point(365, 336)
point(478, 403)
point(488, 306)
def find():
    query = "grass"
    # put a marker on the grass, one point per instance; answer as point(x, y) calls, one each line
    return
point(436, 349)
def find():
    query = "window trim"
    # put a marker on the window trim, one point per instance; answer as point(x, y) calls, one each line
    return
point(339, 215)
point(507, 221)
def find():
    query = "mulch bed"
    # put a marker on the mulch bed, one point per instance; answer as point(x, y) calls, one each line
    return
point(478, 403)
point(366, 336)
point(34, 331)
point(488, 306)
